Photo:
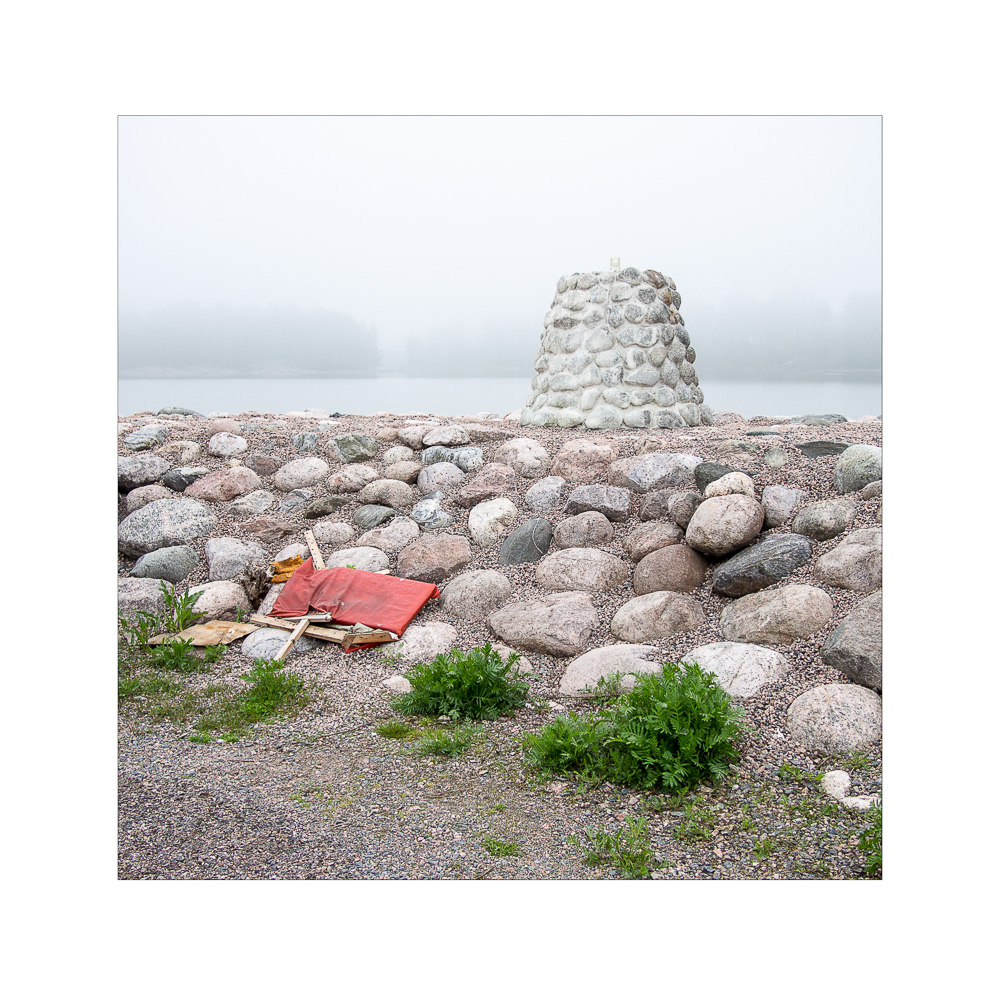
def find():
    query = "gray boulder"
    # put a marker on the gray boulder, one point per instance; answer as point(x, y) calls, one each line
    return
point(611, 500)
point(266, 643)
point(546, 494)
point(258, 501)
point(681, 507)
point(387, 492)
point(855, 563)
point(581, 569)
point(223, 485)
point(362, 558)
point(708, 471)
point(780, 504)
point(835, 718)
point(525, 456)
point(440, 477)
point(146, 437)
point(824, 520)
point(764, 563)
point(140, 469)
point(427, 512)
point(171, 564)
point(226, 445)
point(724, 524)
point(651, 536)
point(354, 447)
point(560, 624)
point(391, 538)
point(855, 646)
point(857, 467)
point(626, 660)
point(137, 595)
point(475, 594)
point(656, 615)
point(778, 615)
point(495, 481)
point(370, 517)
point(741, 669)
point(434, 558)
point(675, 568)
point(353, 478)
point(466, 458)
point(220, 600)
point(528, 543)
point(300, 473)
point(488, 520)
point(164, 523)
point(227, 557)
point(658, 470)
point(585, 530)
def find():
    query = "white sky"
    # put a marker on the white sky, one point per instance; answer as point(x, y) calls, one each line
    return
point(466, 223)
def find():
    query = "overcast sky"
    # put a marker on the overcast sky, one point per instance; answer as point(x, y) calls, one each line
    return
point(424, 224)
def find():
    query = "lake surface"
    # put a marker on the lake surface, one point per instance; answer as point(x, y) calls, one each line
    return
point(458, 397)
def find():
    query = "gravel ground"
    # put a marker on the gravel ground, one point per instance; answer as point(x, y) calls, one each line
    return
point(321, 795)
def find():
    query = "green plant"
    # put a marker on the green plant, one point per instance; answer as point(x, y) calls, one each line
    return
point(501, 848)
point(178, 655)
point(394, 730)
point(179, 611)
point(858, 760)
point(148, 687)
point(870, 840)
point(478, 684)
point(134, 633)
point(798, 774)
point(696, 822)
point(764, 846)
point(442, 744)
point(671, 731)
point(627, 850)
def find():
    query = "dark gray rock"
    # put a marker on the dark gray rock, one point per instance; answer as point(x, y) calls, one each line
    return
point(369, 517)
point(614, 502)
point(179, 479)
point(762, 564)
point(822, 448)
point(529, 542)
point(324, 506)
point(708, 471)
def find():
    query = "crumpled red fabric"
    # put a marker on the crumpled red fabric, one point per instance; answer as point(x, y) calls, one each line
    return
point(350, 595)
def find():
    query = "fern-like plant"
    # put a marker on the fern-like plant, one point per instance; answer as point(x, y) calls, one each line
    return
point(475, 684)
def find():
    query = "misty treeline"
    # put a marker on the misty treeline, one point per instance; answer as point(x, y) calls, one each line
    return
point(795, 338)
point(792, 338)
point(191, 341)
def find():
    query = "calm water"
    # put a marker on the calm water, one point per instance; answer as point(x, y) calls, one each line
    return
point(456, 397)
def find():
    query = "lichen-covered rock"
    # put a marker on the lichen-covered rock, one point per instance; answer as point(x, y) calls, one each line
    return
point(354, 447)
point(824, 520)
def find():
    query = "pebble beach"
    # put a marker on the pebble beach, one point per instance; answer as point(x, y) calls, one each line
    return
point(320, 795)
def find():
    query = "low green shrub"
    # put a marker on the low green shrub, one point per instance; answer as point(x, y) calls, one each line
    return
point(475, 684)
point(671, 731)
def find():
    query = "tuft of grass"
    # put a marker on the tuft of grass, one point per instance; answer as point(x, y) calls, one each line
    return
point(671, 731)
point(439, 743)
point(627, 850)
point(394, 729)
point(500, 848)
point(149, 686)
point(798, 774)
point(475, 684)
point(180, 655)
point(697, 821)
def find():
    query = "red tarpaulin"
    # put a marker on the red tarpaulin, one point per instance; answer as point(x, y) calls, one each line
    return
point(350, 595)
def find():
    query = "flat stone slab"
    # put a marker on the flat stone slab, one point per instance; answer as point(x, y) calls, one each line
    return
point(822, 448)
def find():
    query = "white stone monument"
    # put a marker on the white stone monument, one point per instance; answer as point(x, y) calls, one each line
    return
point(615, 353)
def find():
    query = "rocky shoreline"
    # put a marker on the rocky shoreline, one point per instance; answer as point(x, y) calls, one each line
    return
point(755, 544)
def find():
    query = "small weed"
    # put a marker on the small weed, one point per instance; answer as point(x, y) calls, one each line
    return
point(627, 850)
point(443, 744)
point(177, 711)
point(394, 730)
point(179, 655)
point(500, 848)
point(697, 822)
point(870, 840)
point(798, 774)
point(179, 611)
point(494, 809)
point(765, 846)
point(858, 761)
point(145, 687)
point(608, 688)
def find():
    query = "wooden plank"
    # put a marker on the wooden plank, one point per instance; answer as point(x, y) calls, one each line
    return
point(207, 634)
point(325, 633)
point(314, 548)
point(300, 628)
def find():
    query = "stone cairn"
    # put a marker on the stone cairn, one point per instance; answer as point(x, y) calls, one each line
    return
point(615, 353)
